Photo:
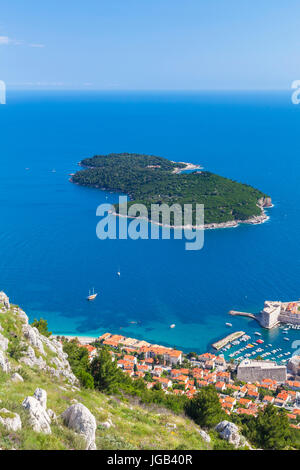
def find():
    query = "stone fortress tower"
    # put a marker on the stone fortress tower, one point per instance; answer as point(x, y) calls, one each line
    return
point(277, 312)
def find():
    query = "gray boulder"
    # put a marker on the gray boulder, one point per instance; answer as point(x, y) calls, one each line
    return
point(41, 395)
point(32, 335)
point(4, 300)
point(17, 377)
point(3, 342)
point(11, 421)
point(229, 431)
point(4, 363)
point(79, 418)
point(206, 437)
point(29, 358)
point(39, 419)
point(52, 415)
point(107, 424)
point(22, 315)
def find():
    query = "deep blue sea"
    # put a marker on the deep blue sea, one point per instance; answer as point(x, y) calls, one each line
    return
point(50, 255)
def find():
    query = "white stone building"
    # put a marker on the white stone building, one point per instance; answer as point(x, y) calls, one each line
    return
point(250, 370)
point(269, 316)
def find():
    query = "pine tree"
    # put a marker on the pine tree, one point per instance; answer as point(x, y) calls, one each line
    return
point(105, 372)
point(205, 408)
point(42, 326)
point(272, 428)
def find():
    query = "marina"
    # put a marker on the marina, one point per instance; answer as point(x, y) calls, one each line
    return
point(253, 346)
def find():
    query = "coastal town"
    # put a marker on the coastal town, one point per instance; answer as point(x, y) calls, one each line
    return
point(243, 388)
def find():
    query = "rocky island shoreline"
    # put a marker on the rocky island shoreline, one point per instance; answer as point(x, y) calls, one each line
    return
point(149, 180)
point(255, 220)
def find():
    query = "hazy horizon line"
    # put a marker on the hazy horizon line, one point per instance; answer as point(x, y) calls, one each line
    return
point(146, 90)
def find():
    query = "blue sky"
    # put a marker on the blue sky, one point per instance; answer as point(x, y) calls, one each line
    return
point(150, 44)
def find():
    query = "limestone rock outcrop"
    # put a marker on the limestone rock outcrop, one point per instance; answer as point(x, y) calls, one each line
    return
point(79, 418)
point(17, 377)
point(229, 431)
point(39, 418)
point(41, 395)
point(206, 437)
point(11, 421)
point(61, 366)
point(22, 315)
point(3, 343)
point(4, 363)
point(32, 335)
point(265, 202)
point(52, 415)
point(4, 300)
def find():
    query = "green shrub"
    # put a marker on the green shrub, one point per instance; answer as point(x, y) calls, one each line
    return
point(42, 326)
point(16, 349)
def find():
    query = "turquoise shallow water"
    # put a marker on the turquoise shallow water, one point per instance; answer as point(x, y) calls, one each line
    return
point(50, 255)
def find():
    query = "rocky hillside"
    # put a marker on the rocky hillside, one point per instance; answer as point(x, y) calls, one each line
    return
point(43, 407)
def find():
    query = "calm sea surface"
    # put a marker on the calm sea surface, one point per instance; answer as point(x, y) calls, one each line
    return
point(50, 255)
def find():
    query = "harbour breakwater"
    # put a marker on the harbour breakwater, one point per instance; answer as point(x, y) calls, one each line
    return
point(244, 314)
point(228, 339)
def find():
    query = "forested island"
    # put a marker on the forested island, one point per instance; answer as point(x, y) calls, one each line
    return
point(149, 179)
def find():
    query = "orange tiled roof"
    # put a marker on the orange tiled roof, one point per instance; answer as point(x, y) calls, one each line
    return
point(110, 342)
point(150, 360)
point(229, 399)
point(219, 384)
point(175, 372)
point(141, 367)
point(106, 335)
point(88, 347)
point(174, 353)
point(185, 371)
point(227, 405)
point(223, 374)
point(244, 401)
point(268, 398)
point(129, 357)
point(183, 378)
point(246, 412)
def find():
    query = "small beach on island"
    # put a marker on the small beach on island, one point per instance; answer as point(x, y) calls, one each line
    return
point(188, 167)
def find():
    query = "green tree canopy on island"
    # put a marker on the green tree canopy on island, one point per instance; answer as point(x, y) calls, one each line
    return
point(148, 179)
